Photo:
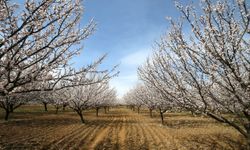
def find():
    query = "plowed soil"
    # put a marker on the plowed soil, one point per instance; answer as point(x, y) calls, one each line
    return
point(120, 128)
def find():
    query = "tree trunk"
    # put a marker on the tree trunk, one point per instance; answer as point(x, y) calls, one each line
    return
point(150, 112)
point(64, 106)
point(138, 110)
point(45, 106)
point(247, 127)
point(97, 111)
point(83, 121)
point(162, 119)
point(7, 112)
point(81, 116)
point(11, 108)
point(192, 113)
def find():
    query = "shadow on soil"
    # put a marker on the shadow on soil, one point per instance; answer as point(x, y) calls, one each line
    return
point(215, 142)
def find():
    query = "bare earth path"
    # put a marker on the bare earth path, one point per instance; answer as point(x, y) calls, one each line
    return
point(129, 130)
point(121, 128)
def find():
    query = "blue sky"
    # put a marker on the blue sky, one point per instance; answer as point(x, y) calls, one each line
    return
point(126, 30)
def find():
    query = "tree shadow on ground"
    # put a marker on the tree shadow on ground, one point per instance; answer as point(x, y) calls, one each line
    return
point(219, 141)
point(109, 122)
point(177, 124)
point(41, 122)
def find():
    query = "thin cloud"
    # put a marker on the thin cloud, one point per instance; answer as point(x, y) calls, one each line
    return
point(128, 77)
point(136, 58)
point(124, 83)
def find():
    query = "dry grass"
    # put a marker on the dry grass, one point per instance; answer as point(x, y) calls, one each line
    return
point(121, 128)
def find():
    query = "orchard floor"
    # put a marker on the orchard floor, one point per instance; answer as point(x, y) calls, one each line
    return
point(120, 128)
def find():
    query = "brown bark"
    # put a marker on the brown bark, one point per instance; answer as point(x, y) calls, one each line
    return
point(64, 106)
point(11, 108)
point(150, 112)
point(162, 118)
point(57, 108)
point(7, 112)
point(45, 106)
point(97, 112)
point(81, 116)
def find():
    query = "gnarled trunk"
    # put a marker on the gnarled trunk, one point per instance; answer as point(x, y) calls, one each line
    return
point(79, 112)
point(162, 119)
point(133, 108)
point(97, 111)
point(64, 106)
point(57, 108)
point(11, 108)
point(150, 112)
point(45, 106)
point(247, 136)
point(7, 113)
point(162, 115)
point(7, 109)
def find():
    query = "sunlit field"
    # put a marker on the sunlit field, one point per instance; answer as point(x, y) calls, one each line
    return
point(30, 127)
point(125, 74)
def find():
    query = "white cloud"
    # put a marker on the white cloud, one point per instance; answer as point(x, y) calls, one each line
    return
point(128, 76)
point(124, 83)
point(136, 58)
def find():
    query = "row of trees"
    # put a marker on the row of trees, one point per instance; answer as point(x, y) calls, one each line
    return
point(80, 98)
point(203, 63)
point(146, 96)
point(37, 42)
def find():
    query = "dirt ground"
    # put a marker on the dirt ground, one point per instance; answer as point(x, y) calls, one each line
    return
point(120, 128)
